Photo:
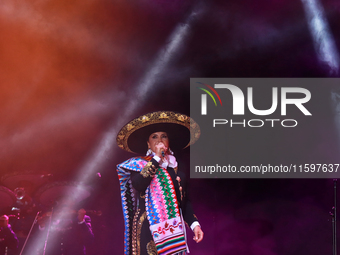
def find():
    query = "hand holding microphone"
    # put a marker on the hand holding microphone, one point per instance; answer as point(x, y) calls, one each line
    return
point(161, 149)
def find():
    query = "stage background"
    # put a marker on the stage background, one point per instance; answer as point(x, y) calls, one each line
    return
point(73, 73)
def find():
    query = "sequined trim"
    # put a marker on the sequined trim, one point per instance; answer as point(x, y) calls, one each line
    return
point(151, 248)
point(148, 170)
point(136, 231)
point(139, 230)
point(154, 118)
point(135, 249)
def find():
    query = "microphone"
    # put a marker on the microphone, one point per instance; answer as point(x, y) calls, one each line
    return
point(163, 154)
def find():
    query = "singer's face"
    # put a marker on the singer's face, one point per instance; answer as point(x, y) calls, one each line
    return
point(157, 138)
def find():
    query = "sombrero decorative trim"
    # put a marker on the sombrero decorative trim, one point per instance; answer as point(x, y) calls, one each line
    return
point(160, 117)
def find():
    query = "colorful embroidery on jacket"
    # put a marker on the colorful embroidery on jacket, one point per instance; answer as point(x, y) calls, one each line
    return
point(161, 207)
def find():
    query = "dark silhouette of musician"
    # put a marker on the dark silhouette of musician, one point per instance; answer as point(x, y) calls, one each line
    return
point(8, 239)
point(64, 231)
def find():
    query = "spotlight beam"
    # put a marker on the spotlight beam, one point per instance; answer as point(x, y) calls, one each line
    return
point(56, 121)
point(107, 145)
point(323, 39)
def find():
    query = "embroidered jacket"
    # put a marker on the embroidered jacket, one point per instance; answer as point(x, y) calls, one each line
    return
point(163, 202)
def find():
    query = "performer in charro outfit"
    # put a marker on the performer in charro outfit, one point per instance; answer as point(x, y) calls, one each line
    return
point(153, 191)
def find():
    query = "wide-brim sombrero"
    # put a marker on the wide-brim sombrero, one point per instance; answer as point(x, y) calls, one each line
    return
point(182, 131)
